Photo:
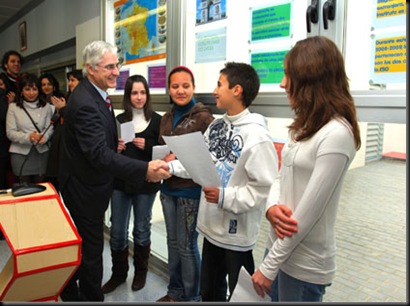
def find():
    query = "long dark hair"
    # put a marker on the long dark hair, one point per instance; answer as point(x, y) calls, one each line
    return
point(56, 85)
point(319, 87)
point(30, 80)
point(126, 101)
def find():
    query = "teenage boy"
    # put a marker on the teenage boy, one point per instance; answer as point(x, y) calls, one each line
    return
point(229, 217)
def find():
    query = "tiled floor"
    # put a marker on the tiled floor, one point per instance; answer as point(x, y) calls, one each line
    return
point(371, 238)
point(156, 284)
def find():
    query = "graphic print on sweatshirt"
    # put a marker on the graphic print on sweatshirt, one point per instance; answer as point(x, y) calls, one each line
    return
point(226, 146)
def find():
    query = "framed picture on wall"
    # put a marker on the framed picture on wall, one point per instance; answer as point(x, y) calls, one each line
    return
point(23, 36)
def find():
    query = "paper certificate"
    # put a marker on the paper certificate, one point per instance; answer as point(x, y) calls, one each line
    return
point(127, 131)
point(244, 291)
point(192, 151)
point(159, 152)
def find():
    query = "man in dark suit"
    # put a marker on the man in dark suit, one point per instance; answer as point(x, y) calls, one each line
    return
point(88, 163)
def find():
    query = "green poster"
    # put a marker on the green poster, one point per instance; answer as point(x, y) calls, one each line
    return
point(271, 22)
point(269, 66)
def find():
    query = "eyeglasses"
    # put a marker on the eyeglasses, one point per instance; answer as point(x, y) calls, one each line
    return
point(111, 67)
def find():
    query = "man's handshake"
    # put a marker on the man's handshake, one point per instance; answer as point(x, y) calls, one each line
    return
point(157, 170)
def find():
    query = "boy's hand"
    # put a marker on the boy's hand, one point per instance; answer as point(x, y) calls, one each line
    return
point(211, 194)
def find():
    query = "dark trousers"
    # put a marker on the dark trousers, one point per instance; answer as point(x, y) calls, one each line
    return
point(217, 263)
point(87, 209)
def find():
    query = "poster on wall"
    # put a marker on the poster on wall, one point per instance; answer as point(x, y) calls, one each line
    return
point(122, 79)
point(388, 13)
point(140, 30)
point(210, 46)
point(269, 65)
point(157, 75)
point(389, 58)
point(210, 10)
point(271, 22)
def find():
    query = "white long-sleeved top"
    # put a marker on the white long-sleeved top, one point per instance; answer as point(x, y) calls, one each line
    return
point(310, 183)
point(246, 160)
point(19, 126)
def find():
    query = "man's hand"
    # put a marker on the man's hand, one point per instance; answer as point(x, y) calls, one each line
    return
point(157, 170)
point(279, 217)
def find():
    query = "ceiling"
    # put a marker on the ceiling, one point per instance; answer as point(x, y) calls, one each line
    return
point(12, 10)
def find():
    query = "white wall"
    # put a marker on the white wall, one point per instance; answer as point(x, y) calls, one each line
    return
point(50, 23)
point(86, 33)
point(395, 136)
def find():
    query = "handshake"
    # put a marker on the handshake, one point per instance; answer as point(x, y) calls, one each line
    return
point(157, 170)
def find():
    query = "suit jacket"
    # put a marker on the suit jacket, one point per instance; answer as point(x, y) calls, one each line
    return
point(88, 158)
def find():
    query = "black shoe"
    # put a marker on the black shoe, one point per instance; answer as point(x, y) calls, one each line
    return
point(71, 294)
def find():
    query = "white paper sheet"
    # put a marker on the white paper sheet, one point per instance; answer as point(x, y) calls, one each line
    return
point(192, 151)
point(244, 291)
point(127, 131)
point(159, 152)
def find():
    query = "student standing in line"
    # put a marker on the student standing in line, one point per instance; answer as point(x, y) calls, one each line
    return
point(302, 205)
point(229, 216)
point(129, 195)
point(11, 63)
point(89, 162)
point(26, 121)
point(180, 197)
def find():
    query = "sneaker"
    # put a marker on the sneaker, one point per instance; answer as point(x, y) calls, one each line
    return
point(166, 298)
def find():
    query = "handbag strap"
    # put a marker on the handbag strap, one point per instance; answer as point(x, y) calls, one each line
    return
point(38, 130)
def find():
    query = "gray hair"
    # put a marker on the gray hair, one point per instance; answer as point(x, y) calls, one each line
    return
point(94, 52)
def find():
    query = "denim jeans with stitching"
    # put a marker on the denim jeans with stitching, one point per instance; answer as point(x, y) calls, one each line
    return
point(286, 288)
point(121, 204)
point(184, 261)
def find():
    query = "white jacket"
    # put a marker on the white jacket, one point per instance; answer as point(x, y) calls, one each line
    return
point(246, 160)
point(19, 126)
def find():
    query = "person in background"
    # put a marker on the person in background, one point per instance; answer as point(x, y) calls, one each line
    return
point(302, 205)
point(50, 87)
point(5, 165)
point(180, 197)
point(11, 63)
point(26, 122)
point(59, 102)
point(73, 79)
point(5, 85)
point(128, 195)
point(229, 217)
point(89, 162)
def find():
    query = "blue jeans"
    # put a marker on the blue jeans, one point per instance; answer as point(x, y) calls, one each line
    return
point(121, 204)
point(286, 288)
point(184, 261)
